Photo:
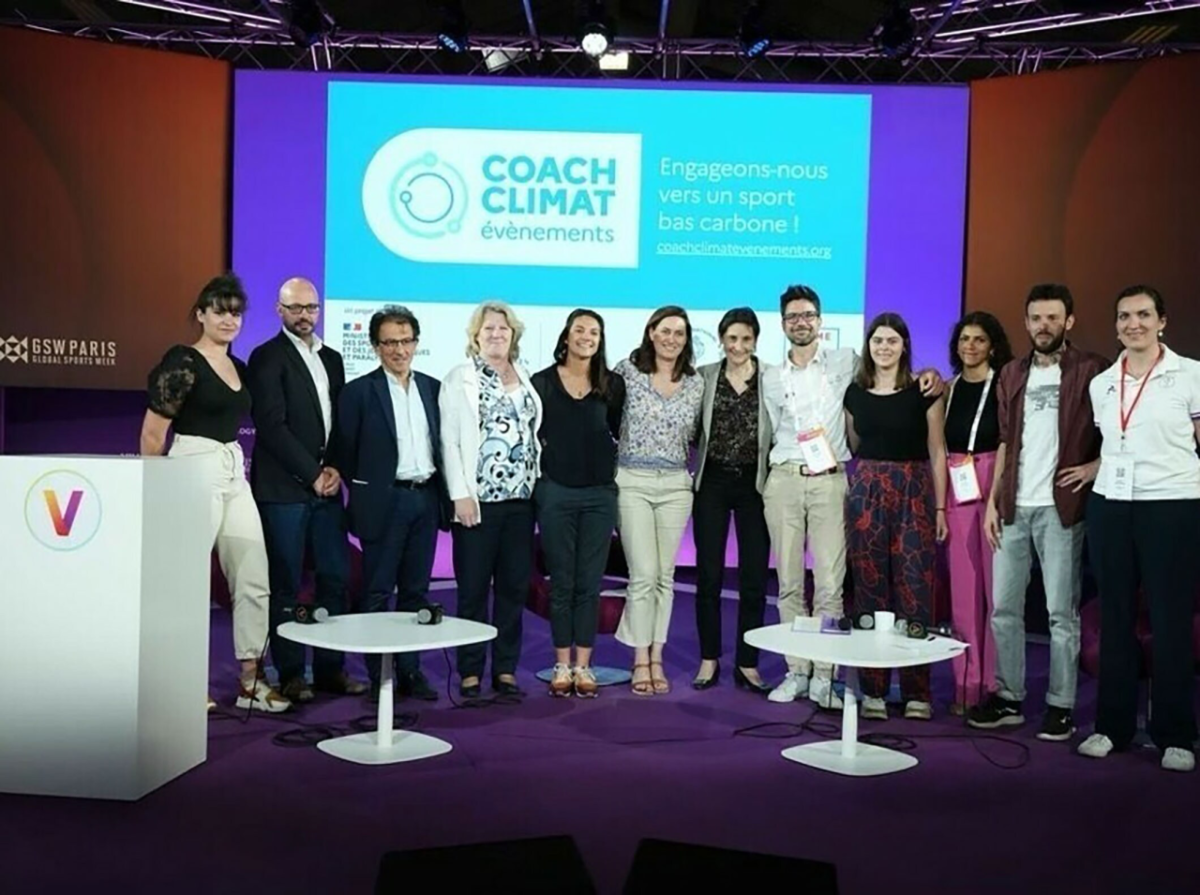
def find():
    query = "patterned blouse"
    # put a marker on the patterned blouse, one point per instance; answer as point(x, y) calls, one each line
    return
point(734, 437)
point(656, 432)
point(508, 448)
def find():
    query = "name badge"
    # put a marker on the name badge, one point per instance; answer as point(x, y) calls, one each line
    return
point(818, 454)
point(964, 481)
point(1120, 478)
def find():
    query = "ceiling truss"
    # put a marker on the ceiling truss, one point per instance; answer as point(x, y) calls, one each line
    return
point(951, 42)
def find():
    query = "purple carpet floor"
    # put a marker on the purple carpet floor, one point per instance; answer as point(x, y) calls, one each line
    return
point(261, 817)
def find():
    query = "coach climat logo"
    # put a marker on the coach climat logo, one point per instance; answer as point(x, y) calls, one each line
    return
point(62, 510)
point(467, 196)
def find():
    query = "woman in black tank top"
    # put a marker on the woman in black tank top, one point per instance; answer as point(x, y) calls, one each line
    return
point(200, 392)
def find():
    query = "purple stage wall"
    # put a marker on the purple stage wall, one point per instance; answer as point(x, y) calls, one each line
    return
point(916, 211)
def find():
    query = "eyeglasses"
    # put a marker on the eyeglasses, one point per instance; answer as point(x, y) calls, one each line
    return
point(301, 309)
point(392, 344)
point(797, 316)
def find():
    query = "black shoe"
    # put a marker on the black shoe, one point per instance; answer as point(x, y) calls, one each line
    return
point(995, 712)
point(416, 685)
point(1057, 725)
point(340, 684)
point(505, 688)
point(744, 683)
point(297, 690)
point(472, 691)
point(705, 683)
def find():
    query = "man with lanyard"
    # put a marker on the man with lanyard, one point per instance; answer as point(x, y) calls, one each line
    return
point(1048, 458)
point(804, 498)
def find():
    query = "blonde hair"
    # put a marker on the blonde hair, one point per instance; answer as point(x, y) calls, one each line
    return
point(475, 324)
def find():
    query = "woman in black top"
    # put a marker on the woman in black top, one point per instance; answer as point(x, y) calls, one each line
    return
point(978, 349)
point(576, 497)
point(896, 505)
point(731, 468)
point(199, 391)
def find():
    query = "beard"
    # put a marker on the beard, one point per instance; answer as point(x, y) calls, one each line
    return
point(802, 339)
point(1056, 342)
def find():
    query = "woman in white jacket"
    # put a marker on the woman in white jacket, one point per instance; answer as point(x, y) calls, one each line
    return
point(490, 418)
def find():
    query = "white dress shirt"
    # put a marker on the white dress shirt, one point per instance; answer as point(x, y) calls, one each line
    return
point(320, 376)
point(414, 450)
point(799, 399)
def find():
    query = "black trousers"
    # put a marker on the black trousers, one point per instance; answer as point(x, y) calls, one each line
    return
point(498, 554)
point(1154, 545)
point(725, 490)
point(400, 561)
point(318, 524)
point(576, 526)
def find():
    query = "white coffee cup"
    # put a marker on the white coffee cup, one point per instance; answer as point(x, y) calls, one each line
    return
point(885, 623)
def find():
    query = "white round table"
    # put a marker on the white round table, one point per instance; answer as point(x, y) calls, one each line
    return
point(386, 633)
point(858, 649)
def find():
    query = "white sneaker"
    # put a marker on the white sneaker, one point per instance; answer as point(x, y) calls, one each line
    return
point(822, 693)
point(875, 708)
point(1097, 746)
point(917, 710)
point(212, 703)
point(1176, 759)
point(262, 699)
point(794, 686)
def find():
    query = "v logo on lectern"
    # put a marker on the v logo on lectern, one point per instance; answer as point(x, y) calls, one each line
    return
point(62, 521)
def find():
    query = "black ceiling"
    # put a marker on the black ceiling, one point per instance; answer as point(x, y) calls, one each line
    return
point(820, 20)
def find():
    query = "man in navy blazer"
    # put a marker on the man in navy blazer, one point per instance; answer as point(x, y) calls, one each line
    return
point(389, 452)
point(294, 382)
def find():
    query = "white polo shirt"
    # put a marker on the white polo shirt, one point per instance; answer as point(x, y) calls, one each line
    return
point(1161, 437)
point(799, 399)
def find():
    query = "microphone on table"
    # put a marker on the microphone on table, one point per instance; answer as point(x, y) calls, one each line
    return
point(430, 614)
point(304, 614)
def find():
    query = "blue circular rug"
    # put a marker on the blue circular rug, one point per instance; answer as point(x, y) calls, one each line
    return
point(605, 676)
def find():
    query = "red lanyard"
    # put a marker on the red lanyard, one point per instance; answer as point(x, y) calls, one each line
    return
point(1121, 414)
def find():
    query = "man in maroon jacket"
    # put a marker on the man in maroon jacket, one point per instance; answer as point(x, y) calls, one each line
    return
point(1048, 457)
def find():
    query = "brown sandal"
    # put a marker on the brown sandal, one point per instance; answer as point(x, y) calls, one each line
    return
point(660, 683)
point(642, 688)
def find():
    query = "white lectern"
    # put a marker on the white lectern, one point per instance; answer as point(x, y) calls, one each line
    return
point(104, 602)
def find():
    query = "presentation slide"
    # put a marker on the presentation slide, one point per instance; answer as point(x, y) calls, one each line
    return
point(437, 194)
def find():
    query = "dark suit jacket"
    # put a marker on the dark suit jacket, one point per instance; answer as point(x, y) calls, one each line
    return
point(367, 453)
point(289, 441)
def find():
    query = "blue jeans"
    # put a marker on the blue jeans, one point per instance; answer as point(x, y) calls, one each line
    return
point(320, 525)
point(1059, 551)
point(400, 561)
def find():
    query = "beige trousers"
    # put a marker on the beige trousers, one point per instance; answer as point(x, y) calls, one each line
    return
point(237, 532)
point(812, 508)
point(653, 506)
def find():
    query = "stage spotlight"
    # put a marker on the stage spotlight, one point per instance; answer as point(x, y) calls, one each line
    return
point(307, 22)
point(752, 37)
point(896, 33)
point(452, 35)
point(595, 37)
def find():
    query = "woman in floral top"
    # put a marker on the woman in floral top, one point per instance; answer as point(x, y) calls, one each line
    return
point(654, 498)
point(490, 418)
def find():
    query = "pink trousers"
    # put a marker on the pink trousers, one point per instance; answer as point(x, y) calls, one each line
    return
point(970, 560)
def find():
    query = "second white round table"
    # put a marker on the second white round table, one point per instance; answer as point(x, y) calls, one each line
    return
point(852, 651)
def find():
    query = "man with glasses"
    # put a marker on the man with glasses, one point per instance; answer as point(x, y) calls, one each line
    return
point(294, 381)
point(804, 498)
point(389, 452)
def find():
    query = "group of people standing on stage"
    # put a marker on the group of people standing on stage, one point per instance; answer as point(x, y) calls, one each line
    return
point(998, 464)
